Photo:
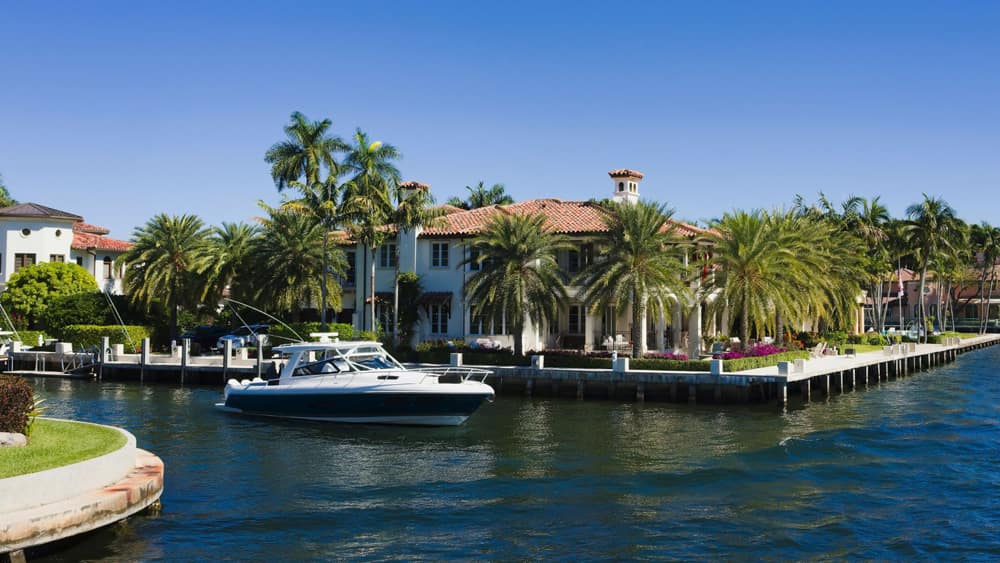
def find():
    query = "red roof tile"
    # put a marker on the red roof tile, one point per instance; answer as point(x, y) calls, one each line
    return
point(82, 227)
point(414, 185)
point(84, 241)
point(625, 173)
point(567, 217)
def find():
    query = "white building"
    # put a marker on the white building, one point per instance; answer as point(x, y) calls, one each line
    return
point(436, 255)
point(31, 233)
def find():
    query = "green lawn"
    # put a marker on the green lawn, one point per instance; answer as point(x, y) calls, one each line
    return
point(54, 443)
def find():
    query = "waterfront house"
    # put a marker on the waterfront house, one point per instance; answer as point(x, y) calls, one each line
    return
point(31, 233)
point(437, 254)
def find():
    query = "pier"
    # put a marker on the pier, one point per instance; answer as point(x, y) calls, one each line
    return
point(816, 377)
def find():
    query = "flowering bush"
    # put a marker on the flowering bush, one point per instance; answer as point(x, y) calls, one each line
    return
point(753, 352)
point(667, 356)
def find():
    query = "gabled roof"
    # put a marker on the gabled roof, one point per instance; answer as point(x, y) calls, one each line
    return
point(90, 241)
point(36, 210)
point(566, 217)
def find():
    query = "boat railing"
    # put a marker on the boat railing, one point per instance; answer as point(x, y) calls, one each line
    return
point(462, 372)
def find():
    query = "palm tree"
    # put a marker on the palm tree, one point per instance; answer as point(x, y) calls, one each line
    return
point(640, 269)
point(5, 199)
point(367, 197)
point(481, 196)
point(288, 260)
point(869, 221)
point(310, 149)
point(167, 256)
point(413, 209)
point(985, 242)
point(319, 201)
point(929, 225)
point(232, 245)
point(519, 276)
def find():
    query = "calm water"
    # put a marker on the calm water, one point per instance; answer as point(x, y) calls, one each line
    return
point(907, 470)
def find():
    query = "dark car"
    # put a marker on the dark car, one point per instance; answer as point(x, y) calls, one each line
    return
point(205, 336)
point(242, 336)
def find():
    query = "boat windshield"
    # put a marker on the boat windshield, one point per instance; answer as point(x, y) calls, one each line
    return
point(340, 360)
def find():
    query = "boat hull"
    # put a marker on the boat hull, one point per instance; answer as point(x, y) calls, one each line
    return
point(422, 409)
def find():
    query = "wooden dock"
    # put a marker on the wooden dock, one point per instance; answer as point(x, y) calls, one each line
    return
point(823, 376)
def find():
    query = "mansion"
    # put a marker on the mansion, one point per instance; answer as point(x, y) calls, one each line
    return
point(31, 233)
point(438, 255)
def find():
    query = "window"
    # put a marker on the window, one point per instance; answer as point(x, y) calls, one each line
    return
point(474, 254)
point(25, 232)
point(79, 261)
point(573, 262)
point(384, 313)
point(350, 272)
point(621, 186)
point(478, 322)
point(575, 319)
point(439, 255)
point(57, 258)
point(107, 268)
point(387, 256)
point(439, 319)
point(23, 260)
point(586, 255)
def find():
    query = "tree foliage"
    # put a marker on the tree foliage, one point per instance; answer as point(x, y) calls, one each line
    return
point(481, 196)
point(32, 289)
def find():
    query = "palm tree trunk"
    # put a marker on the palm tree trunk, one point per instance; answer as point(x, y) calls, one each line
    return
point(779, 328)
point(745, 325)
point(519, 339)
point(637, 328)
point(395, 307)
point(322, 283)
point(923, 304)
point(371, 279)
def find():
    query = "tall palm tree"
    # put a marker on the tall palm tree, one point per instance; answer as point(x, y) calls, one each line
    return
point(232, 245)
point(640, 270)
point(288, 260)
point(319, 201)
point(413, 209)
point(869, 221)
point(519, 276)
point(308, 150)
point(164, 264)
point(985, 242)
point(481, 196)
point(930, 223)
point(367, 202)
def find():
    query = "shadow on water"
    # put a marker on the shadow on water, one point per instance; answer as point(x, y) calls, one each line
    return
point(897, 471)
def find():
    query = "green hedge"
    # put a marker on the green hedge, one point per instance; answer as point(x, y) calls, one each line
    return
point(30, 337)
point(85, 336)
point(763, 361)
point(280, 334)
point(16, 402)
point(663, 364)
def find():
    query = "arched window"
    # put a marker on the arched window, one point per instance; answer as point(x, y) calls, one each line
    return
point(621, 186)
point(107, 268)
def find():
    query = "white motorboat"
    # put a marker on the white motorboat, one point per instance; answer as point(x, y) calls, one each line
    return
point(359, 382)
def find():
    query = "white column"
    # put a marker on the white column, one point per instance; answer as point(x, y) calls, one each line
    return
point(642, 332)
point(694, 332)
point(676, 328)
point(661, 328)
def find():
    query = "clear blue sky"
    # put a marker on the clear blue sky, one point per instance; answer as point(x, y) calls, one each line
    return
point(118, 111)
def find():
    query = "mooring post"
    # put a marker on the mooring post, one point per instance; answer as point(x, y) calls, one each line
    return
point(579, 389)
point(227, 358)
point(260, 356)
point(144, 354)
point(105, 352)
point(185, 357)
point(806, 391)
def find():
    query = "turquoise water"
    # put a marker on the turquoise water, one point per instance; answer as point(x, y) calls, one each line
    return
point(905, 470)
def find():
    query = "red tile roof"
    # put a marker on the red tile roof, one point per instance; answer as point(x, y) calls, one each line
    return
point(82, 227)
point(85, 241)
point(414, 185)
point(567, 217)
point(625, 173)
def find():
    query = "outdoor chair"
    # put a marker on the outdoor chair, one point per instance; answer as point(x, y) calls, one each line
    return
point(818, 351)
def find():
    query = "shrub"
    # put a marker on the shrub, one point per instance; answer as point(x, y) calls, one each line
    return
point(876, 339)
point(835, 337)
point(753, 352)
point(667, 356)
point(763, 361)
point(366, 335)
point(856, 339)
point(809, 339)
point(16, 402)
point(660, 364)
point(30, 337)
point(86, 336)
point(31, 290)
point(280, 334)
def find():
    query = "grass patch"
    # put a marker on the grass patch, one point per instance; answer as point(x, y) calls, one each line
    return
point(861, 348)
point(54, 443)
